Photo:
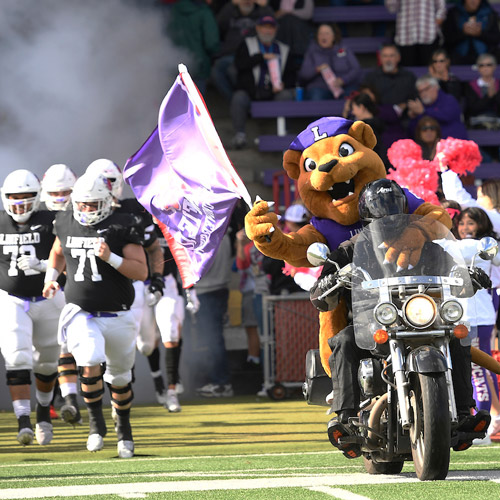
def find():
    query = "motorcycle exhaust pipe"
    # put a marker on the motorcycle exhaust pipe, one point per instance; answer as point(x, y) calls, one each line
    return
point(374, 420)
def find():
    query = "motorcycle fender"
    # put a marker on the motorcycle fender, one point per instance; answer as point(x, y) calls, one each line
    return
point(426, 359)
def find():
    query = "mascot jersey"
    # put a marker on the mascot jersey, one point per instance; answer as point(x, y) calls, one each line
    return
point(336, 233)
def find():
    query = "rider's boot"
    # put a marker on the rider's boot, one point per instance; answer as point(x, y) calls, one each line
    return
point(338, 427)
point(468, 423)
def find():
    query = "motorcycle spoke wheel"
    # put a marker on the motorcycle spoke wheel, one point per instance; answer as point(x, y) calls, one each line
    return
point(430, 431)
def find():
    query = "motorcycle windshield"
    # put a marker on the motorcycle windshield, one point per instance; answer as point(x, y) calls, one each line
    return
point(406, 302)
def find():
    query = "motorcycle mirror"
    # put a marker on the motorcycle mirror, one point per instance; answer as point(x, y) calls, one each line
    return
point(487, 248)
point(317, 254)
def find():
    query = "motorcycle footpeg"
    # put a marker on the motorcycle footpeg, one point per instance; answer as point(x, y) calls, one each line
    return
point(340, 436)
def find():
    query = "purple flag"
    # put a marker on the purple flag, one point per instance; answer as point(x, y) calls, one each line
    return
point(183, 177)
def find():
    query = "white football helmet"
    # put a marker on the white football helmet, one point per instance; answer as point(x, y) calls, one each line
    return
point(111, 171)
point(91, 189)
point(21, 182)
point(57, 178)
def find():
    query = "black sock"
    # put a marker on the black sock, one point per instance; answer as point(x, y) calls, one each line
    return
point(123, 427)
point(154, 360)
point(172, 357)
point(97, 424)
point(43, 413)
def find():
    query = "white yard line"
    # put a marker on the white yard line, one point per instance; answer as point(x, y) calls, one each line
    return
point(200, 485)
point(139, 489)
point(338, 493)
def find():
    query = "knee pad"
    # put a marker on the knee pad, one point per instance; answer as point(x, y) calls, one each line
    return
point(46, 378)
point(122, 390)
point(68, 360)
point(18, 377)
point(91, 381)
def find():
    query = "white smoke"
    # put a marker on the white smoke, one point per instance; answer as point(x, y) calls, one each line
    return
point(81, 79)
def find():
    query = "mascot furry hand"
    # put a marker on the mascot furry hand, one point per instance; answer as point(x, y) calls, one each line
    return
point(332, 159)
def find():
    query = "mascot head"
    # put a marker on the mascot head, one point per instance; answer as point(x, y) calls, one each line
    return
point(332, 160)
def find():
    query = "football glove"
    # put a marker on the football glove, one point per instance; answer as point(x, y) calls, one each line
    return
point(155, 289)
point(193, 304)
point(27, 262)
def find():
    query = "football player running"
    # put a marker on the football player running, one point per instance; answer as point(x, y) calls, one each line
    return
point(163, 318)
point(103, 254)
point(154, 285)
point(57, 185)
point(29, 322)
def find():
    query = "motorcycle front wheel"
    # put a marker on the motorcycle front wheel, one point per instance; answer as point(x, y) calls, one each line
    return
point(430, 430)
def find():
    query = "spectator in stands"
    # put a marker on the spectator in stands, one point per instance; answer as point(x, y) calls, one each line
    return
point(482, 95)
point(295, 29)
point(192, 25)
point(471, 29)
point(265, 72)
point(439, 68)
point(395, 85)
point(236, 20)
point(417, 28)
point(365, 109)
point(432, 101)
point(326, 55)
point(393, 129)
point(427, 135)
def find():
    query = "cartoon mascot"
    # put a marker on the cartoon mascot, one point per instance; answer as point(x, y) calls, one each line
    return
point(332, 159)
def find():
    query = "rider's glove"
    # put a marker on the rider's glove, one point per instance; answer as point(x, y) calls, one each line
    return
point(27, 262)
point(319, 288)
point(155, 289)
point(479, 279)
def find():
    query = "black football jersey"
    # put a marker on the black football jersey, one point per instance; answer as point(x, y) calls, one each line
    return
point(144, 218)
point(34, 238)
point(91, 283)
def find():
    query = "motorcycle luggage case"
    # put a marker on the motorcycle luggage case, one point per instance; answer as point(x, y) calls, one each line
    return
point(318, 384)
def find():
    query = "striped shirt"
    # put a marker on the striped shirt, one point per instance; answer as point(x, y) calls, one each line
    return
point(416, 20)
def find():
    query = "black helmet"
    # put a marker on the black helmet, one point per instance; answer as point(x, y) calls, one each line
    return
point(380, 198)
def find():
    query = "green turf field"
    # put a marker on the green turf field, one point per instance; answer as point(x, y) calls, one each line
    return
point(238, 448)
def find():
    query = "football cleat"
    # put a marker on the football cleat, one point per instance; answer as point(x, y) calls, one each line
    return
point(71, 415)
point(53, 413)
point(25, 436)
point(44, 433)
point(216, 391)
point(161, 397)
point(125, 449)
point(172, 405)
point(95, 442)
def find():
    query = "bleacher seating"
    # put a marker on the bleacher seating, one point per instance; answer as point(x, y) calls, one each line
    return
point(359, 14)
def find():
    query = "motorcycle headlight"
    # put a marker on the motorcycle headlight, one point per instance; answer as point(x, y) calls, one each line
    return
point(420, 311)
point(451, 311)
point(386, 313)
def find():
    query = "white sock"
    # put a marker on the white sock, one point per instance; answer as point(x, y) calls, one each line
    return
point(68, 388)
point(44, 398)
point(156, 374)
point(22, 407)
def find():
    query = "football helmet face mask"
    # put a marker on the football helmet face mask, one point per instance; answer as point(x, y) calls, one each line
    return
point(91, 199)
point(21, 194)
point(57, 184)
point(111, 171)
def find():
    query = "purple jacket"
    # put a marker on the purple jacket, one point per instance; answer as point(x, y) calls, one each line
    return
point(446, 110)
point(342, 61)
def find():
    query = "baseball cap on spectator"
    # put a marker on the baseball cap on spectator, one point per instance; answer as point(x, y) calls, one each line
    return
point(296, 213)
point(267, 20)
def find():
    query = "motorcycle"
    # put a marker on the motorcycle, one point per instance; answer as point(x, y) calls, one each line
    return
point(405, 318)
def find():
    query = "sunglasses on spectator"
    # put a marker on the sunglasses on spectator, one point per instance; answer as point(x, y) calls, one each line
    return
point(428, 127)
point(438, 60)
point(485, 64)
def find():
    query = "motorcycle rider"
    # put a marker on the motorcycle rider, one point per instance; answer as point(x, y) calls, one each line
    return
point(378, 199)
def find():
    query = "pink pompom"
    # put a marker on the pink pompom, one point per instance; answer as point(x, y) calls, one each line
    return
point(419, 176)
point(403, 150)
point(459, 155)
